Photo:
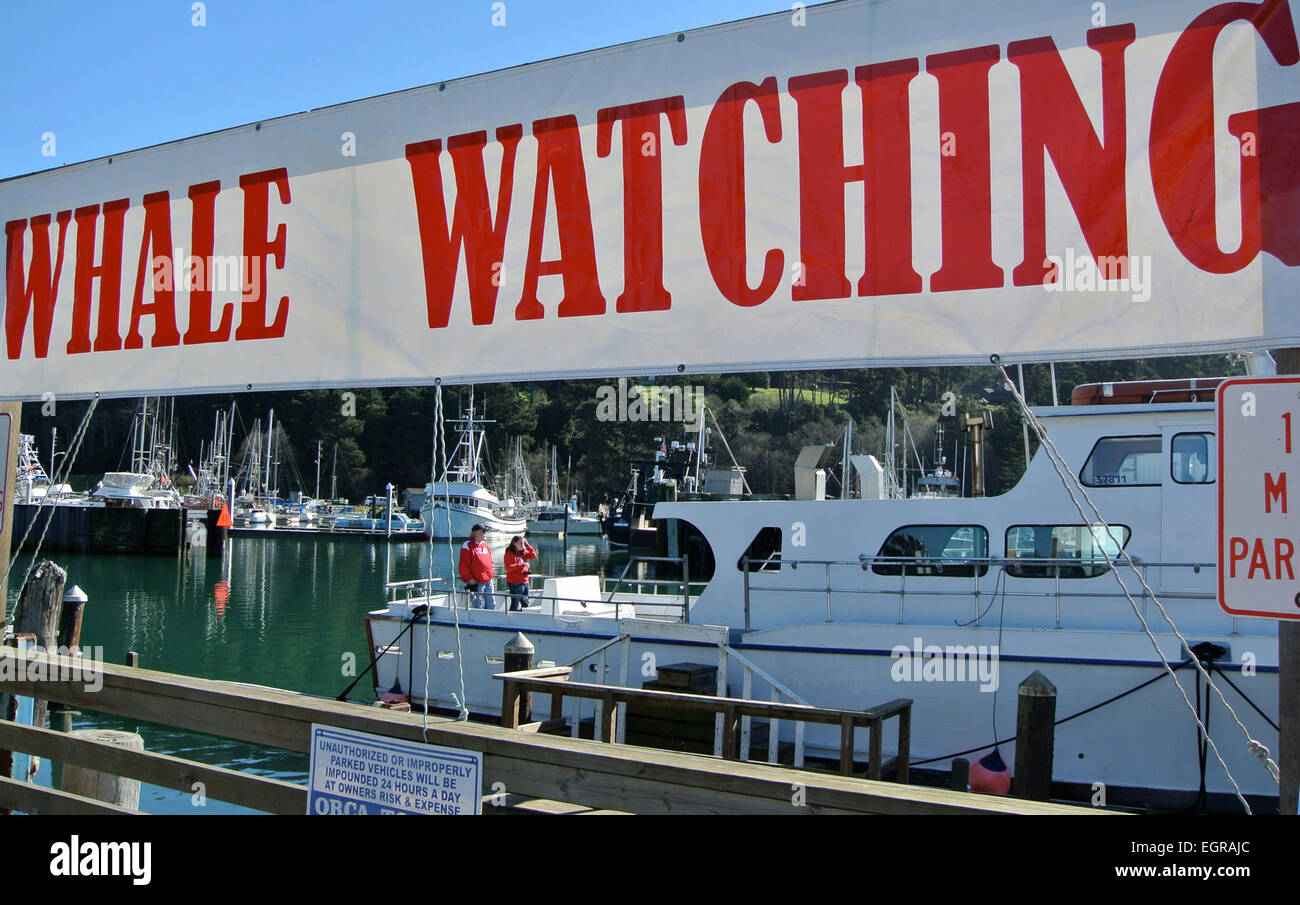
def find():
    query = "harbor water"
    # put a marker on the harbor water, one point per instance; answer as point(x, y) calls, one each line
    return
point(284, 611)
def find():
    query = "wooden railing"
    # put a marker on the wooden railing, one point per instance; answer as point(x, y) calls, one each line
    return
point(554, 681)
point(579, 772)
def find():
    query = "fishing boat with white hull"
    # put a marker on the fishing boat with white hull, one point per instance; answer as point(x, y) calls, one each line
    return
point(951, 602)
point(458, 500)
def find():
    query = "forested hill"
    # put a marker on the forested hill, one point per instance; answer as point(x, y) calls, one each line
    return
point(385, 435)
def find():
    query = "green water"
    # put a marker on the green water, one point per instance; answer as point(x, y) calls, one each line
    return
point(283, 611)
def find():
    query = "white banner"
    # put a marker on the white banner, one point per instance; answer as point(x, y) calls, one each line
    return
point(924, 182)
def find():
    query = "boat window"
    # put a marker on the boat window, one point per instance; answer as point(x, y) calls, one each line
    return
point(1191, 459)
point(1079, 551)
point(764, 551)
point(942, 550)
point(1123, 461)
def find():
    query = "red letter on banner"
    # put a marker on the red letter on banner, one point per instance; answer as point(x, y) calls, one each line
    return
point(39, 290)
point(965, 172)
point(158, 239)
point(559, 161)
point(722, 192)
point(203, 198)
point(472, 226)
point(1182, 145)
point(252, 319)
point(886, 174)
point(1053, 119)
point(108, 272)
point(643, 201)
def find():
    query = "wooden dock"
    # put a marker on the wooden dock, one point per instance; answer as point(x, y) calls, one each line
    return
point(540, 773)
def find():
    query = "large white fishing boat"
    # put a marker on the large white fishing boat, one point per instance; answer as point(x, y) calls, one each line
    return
point(458, 500)
point(951, 602)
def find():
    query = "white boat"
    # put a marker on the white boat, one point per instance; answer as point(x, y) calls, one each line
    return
point(844, 602)
point(400, 523)
point(458, 500)
point(548, 517)
point(562, 518)
point(138, 490)
point(33, 485)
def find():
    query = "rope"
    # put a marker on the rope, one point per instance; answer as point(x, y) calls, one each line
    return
point(440, 444)
point(1011, 738)
point(1062, 470)
point(60, 477)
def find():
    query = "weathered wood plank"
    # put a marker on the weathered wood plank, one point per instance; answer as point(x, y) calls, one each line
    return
point(33, 799)
point(258, 792)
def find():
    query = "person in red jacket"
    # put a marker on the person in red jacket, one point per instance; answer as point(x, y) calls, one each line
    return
point(517, 556)
point(476, 568)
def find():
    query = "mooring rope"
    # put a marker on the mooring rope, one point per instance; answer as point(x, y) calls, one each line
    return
point(60, 477)
point(1062, 470)
point(440, 444)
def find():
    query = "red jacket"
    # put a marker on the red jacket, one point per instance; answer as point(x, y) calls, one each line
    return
point(476, 562)
point(517, 564)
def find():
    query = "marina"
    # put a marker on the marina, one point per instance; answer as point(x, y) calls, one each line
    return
point(656, 416)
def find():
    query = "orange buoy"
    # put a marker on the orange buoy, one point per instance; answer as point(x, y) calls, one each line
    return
point(990, 775)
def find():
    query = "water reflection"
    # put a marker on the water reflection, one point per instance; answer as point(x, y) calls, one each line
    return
point(283, 611)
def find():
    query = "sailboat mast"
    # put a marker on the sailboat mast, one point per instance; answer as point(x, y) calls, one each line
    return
point(270, 432)
point(318, 449)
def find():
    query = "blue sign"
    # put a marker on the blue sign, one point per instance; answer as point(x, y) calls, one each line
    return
point(359, 773)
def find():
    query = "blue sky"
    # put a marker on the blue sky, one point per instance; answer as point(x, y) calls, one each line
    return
point(112, 75)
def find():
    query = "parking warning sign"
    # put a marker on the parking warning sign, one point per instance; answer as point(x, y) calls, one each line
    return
point(359, 773)
point(1259, 467)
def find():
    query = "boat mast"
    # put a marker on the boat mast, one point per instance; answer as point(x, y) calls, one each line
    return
point(844, 471)
point(318, 450)
point(270, 432)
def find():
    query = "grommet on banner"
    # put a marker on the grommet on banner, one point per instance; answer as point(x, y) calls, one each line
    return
point(681, 38)
point(681, 368)
point(437, 381)
point(249, 387)
point(995, 359)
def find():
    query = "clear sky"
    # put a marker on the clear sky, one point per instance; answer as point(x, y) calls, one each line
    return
point(107, 76)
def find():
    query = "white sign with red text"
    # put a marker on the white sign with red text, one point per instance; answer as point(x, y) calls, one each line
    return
point(859, 183)
point(1259, 467)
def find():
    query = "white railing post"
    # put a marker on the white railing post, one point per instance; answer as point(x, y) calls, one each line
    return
point(600, 704)
point(625, 651)
point(774, 733)
point(722, 693)
point(746, 721)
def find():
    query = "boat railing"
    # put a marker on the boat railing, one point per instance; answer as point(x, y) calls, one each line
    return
point(624, 642)
point(407, 590)
point(684, 583)
point(985, 574)
point(537, 602)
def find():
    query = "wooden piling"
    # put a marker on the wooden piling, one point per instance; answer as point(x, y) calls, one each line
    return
point(116, 790)
point(518, 656)
point(1035, 736)
point(38, 614)
point(959, 778)
point(74, 608)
